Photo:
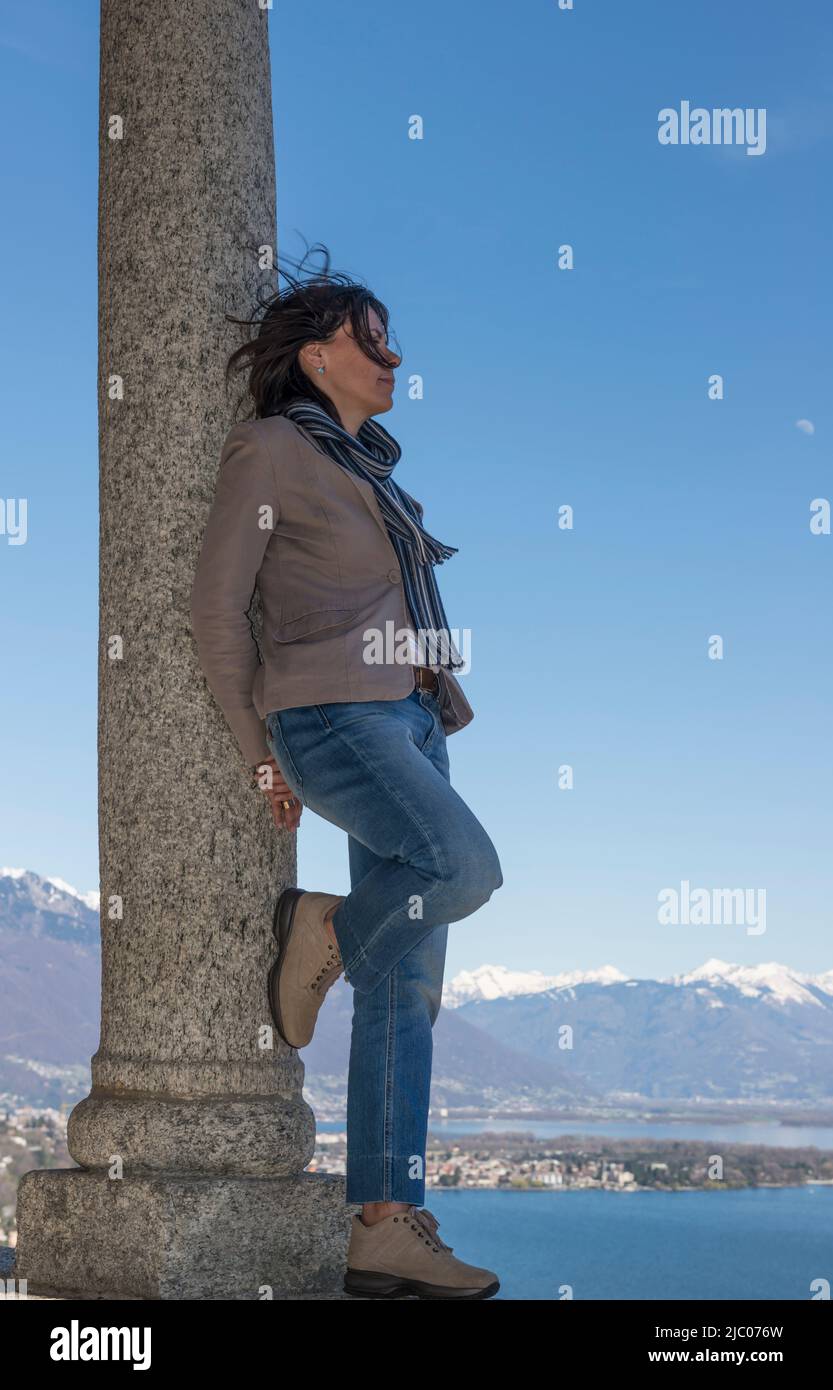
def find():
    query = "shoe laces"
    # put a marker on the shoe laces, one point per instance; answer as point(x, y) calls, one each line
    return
point(329, 972)
point(428, 1222)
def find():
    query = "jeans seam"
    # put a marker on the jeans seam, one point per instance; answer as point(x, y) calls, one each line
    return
point(436, 723)
point(325, 723)
point(423, 748)
point(390, 1059)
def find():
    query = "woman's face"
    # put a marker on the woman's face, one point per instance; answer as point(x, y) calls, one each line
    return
point(357, 385)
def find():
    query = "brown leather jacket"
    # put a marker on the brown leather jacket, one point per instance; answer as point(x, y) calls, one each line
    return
point(309, 534)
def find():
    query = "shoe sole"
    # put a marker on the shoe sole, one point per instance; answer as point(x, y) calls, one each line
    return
point(282, 930)
point(364, 1283)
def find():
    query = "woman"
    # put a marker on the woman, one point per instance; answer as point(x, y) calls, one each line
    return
point(348, 713)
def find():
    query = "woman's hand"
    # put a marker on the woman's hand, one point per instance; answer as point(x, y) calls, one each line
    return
point(275, 788)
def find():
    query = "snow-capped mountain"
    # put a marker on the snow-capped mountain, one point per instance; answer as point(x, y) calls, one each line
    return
point(50, 971)
point(722, 1033)
point(91, 900)
point(497, 982)
point(770, 982)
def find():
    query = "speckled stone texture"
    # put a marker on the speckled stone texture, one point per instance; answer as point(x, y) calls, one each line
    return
point(193, 1098)
point(179, 1238)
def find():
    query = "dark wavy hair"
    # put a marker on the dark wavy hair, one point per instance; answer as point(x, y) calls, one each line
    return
point(306, 310)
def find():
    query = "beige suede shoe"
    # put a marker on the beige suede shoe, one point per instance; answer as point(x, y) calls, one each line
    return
point(308, 963)
point(402, 1254)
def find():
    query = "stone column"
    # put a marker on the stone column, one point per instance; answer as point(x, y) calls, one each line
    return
point(193, 1139)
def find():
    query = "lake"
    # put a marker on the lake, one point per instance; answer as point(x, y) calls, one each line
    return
point(744, 1132)
point(759, 1243)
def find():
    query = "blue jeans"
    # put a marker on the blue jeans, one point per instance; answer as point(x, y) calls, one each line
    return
point(419, 859)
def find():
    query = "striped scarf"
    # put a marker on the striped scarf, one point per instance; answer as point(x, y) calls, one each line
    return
point(372, 456)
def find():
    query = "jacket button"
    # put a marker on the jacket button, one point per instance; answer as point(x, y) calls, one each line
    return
point(393, 576)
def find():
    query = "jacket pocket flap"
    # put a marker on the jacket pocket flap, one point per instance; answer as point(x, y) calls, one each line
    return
point(320, 620)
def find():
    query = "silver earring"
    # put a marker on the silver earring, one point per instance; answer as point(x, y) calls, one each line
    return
point(320, 369)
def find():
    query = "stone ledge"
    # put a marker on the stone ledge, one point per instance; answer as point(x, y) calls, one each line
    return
point(83, 1235)
point(7, 1271)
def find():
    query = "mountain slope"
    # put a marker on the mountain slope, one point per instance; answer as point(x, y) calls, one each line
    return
point(509, 1038)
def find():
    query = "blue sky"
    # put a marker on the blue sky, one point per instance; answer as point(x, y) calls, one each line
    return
point(542, 388)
